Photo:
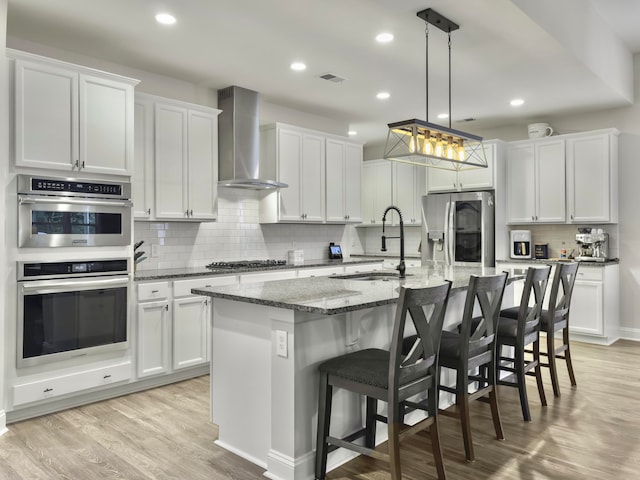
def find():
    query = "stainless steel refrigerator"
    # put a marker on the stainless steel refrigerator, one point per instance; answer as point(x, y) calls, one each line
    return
point(459, 228)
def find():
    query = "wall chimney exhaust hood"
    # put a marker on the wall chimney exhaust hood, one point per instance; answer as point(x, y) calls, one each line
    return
point(239, 141)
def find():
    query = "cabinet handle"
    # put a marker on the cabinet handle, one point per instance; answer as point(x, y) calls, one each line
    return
point(83, 164)
point(191, 213)
point(532, 217)
point(148, 211)
point(572, 216)
point(47, 390)
point(166, 307)
point(155, 291)
point(106, 376)
point(77, 164)
point(207, 286)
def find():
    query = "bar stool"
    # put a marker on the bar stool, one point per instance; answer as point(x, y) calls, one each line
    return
point(472, 354)
point(554, 319)
point(389, 376)
point(521, 332)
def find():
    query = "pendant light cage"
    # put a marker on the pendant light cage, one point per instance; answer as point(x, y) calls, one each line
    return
point(427, 144)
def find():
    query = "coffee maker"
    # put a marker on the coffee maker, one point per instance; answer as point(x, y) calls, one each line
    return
point(593, 245)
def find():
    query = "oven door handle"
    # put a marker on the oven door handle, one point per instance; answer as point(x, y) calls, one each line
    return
point(29, 199)
point(55, 286)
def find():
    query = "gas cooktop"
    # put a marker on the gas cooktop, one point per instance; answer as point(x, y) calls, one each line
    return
point(245, 264)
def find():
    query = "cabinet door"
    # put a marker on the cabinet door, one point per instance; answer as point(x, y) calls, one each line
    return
point(335, 181)
point(171, 161)
point(312, 180)
point(106, 126)
point(404, 192)
point(479, 178)
point(190, 333)
point(202, 186)
point(154, 329)
point(586, 315)
point(439, 180)
point(142, 181)
point(550, 182)
point(353, 185)
point(289, 154)
point(521, 184)
point(46, 116)
point(588, 183)
point(376, 190)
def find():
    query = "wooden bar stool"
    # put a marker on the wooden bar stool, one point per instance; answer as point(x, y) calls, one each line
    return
point(472, 354)
point(520, 332)
point(392, 377)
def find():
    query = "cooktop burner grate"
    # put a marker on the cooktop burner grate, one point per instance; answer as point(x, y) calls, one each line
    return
point(245, 264)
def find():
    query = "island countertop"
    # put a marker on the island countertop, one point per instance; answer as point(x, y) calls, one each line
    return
point(336, 294)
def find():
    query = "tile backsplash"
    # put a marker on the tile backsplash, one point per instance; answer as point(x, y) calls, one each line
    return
point(236, 235)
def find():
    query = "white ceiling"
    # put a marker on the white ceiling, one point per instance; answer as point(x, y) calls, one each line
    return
point(499, 53)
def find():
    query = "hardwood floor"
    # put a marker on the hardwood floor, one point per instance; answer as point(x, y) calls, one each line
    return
point(591, 432)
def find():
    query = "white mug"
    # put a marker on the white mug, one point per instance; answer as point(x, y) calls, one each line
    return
point(539, 130)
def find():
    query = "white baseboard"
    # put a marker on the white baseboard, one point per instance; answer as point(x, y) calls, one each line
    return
point(630, 333)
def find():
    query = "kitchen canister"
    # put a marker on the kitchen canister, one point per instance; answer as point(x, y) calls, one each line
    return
point(295, 257)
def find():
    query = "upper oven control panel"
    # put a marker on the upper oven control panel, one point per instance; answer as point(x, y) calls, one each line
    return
point(29, 184)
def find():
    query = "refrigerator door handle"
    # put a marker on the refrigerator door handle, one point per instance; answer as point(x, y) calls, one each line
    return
point(446, 233)
point(451, 242)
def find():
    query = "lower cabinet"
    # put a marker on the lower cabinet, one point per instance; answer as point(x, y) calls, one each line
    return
point(154, 329)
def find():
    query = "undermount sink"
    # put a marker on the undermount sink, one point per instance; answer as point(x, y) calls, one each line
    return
point(370, 276)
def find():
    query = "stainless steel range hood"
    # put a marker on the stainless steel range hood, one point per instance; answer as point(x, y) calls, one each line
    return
point(239, 141)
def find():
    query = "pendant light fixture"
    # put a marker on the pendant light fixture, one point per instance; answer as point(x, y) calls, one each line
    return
point(422, 143)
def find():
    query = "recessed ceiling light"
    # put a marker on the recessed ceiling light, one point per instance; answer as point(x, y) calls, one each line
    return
point(352, 133)
point(443, 115)
point(298, 66)
point(165, 18)
point(384, 37)
point(383, 95)
point(516, 102)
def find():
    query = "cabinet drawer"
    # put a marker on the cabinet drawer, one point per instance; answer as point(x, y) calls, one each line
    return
point(590, 273)
point(319, 272)
point(153, 291)
point(363, 267)
point(182, 288)
point(75, 382)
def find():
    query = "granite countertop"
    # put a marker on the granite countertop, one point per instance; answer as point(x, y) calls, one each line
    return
point(334, 295)
point(167, 274)
point(524, 261)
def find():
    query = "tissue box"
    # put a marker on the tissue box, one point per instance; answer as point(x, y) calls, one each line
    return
point(295, 257)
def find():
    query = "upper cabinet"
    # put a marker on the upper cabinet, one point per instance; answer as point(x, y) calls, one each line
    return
point(592, 178)
point(176, 146)
point(536, 182)
point(408, 188)
point(564, 179)
point(72, 118)
point(376, 190)
point(323, 173)
point(439, 180)
point(344, 181)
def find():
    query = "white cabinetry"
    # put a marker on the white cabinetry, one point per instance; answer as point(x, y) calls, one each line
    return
point(176, 148)
point(439, 180)
point(154, 329)
point(592, 178)
point(72, 118)
point(344, 181)
point(408, 189)
point(536, 182)
point(595, 312)
point(376, 190)
point(304, 159)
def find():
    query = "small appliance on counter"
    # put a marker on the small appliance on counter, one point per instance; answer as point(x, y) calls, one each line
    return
point(335, 252)
point(593, 245)
point(520, 243)
point(295, 257)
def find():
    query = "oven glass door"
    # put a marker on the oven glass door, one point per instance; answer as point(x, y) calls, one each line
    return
point(66, 318)
point(64, 222)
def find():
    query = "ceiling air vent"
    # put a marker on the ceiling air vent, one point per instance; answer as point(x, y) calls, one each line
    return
point(332, 78)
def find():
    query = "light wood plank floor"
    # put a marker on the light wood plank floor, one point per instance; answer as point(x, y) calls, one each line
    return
point(591, 432)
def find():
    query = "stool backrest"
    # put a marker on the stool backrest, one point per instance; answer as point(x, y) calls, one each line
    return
point(529, 314)
point(477, 339)
point(561, 291)
point(421, 359)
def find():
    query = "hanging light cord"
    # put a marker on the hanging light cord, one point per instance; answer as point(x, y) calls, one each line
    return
point(426, 62)
point(449, 33)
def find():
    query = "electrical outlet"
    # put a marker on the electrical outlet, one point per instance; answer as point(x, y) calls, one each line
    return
point(154, 250)
point(281, 344)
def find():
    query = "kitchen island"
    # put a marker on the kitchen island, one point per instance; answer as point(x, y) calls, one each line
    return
point(267, 341)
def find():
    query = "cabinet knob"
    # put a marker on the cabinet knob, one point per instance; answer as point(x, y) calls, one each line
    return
point(148, 211)
point(166, 307)
point(191, 213)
